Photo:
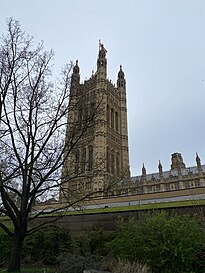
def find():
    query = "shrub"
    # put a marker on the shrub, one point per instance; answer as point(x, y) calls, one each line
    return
point(87, 252)
point(70, 263)
point(5, 247)
point(92, 242)
point(44, 246)
point(167, 244)
point(76, 263)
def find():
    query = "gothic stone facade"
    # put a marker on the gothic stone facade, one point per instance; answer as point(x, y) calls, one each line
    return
point(101, 155)
point(179, 179)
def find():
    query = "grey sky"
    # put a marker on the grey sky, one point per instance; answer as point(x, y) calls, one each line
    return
point(161, 46)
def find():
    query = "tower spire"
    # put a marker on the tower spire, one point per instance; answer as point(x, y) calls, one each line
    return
point(160, 170)
point(121, 78)
point(198, 162)
point(144, 173)
point(75, 78)
point(102, 61)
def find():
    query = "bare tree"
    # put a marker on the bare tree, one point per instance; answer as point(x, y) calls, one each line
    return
point(33, 121)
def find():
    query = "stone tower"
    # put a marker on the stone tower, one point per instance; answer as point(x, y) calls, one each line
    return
point(101, 155)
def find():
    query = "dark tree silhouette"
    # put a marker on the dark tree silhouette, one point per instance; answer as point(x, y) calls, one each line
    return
point(33, 121)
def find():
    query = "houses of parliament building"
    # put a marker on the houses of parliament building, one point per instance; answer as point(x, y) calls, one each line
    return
point(99, 162)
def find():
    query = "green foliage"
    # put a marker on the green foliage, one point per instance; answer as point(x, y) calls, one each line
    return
point(44, 246)
point(125, 239)
point(5, 247)
point(167, 244)
point(87, 251)
point(90, 243)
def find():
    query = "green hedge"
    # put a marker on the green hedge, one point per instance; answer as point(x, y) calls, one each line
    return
point(167, 244)
point(44, 246)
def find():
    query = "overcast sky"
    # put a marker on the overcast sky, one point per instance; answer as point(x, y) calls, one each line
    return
point(161, 46)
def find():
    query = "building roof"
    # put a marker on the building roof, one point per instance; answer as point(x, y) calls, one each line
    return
point(172, 173)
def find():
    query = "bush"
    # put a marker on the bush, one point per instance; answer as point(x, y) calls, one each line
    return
point(75, 263)
point(44, 246)
point(5, 247)
point(92, 242)
point(166, 244)
point(88, 251)
point(70, 263)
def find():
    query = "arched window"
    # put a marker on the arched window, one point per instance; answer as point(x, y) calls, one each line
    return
point(117, 163)
point(108, 160)
point(80, 114)
point(116, 121)
point(77, 159)
point(90, 158)
point(112, 118)
point(92, 110)
point(112, 161)
point(85, 112)
point(108, 115)
point(83, 160)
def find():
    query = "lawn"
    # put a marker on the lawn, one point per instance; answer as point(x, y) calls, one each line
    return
point(150, 206)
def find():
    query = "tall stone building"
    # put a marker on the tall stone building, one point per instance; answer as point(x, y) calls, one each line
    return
point(101, 155)
point(176, 182)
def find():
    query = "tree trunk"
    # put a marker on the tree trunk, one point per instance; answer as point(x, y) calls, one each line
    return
point(15, 258)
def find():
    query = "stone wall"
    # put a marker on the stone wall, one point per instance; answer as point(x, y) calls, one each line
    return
point(77, 224)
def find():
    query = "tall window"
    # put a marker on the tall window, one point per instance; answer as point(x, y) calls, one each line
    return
point(85, 113)
point(108, 160)
point(83, 159)
point(108, 115)
point(116, 121)
point(158, 187)
point(149, 188)
point(80, 115)
point(90, 158)
point(112, 118)
point(117, 163)
point(176, 185)
point(197, 183)
point(92, 109)
point(112, 161)
point(168, 188)
point(77, 158)
point(187, 186)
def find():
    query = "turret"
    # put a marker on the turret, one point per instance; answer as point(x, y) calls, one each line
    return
point(144, 173)
point(160, 170)
point(121, 78)
point(75, 78)
point(198, 162)
point(102, 62)
point(121, 92)
point(177, 162)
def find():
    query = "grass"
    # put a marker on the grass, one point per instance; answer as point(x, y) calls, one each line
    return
point(145, 206)
point(34, 270)
point(150, 206)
